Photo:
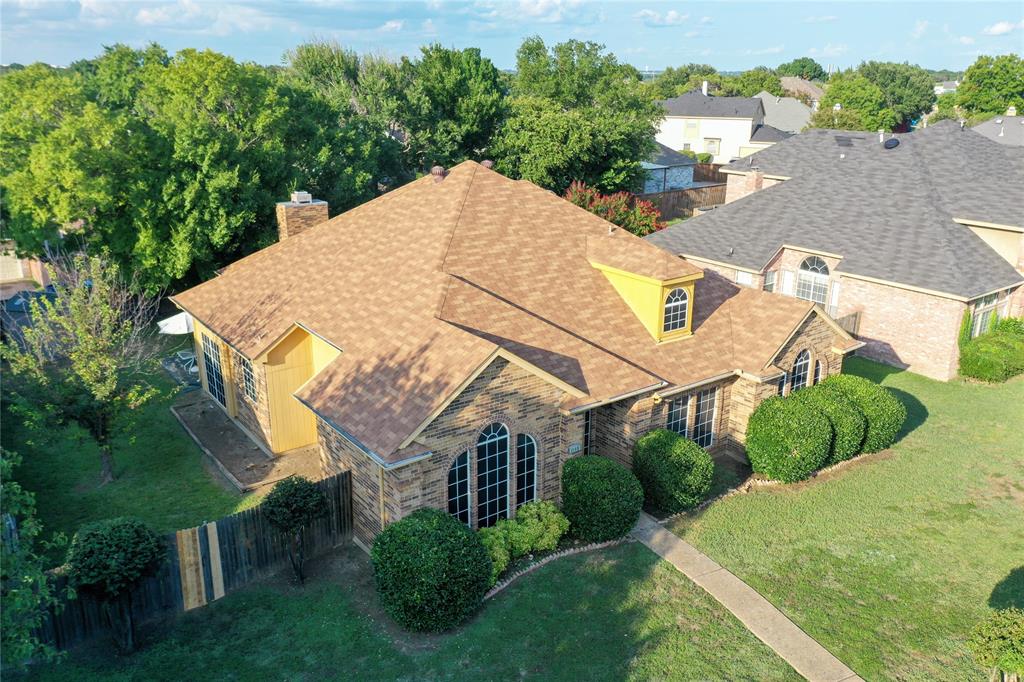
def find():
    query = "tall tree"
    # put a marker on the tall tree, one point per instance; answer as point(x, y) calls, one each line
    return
point(992, 84)
point(803, 67)
point(749, 83)
point(861, 101)
point(907, 90)
point(675, 81)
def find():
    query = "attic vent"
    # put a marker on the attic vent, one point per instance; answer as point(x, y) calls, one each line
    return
point(891, 143)
point(844, 140)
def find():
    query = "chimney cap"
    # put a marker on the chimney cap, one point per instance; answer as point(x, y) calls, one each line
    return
point(300, 197)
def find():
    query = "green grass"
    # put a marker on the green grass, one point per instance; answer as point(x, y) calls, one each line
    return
point(160, 473)
point(620, 613)
point(891, 561)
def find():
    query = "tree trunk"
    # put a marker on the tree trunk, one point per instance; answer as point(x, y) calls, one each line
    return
point(106, 465)
point(296, 555)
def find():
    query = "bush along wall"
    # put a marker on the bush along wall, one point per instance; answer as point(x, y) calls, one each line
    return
point(536, 527)
point(997, 355)
point(884, 413)
point(674, 472)
point(600, 497)
point(848, 423)
point(788, 439)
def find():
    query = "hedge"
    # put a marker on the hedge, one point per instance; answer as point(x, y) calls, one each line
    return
point(537, 527)
point(788, 439)
point(884, 412)
point(848, 422)
point(600, 497)
point(674, 472)
point(431, 571)
point(1010, 325)
point(998, 641)
point(496, 543)
point(994, 356)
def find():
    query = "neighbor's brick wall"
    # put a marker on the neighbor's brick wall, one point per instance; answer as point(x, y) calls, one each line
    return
point(908, 329)
point(254, 415)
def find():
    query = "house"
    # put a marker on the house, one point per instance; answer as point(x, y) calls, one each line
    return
point(19, 274)
point(941, 88)
point(667, 170)
point(787, 114)
point(451, 348)
point(806, 90)
point(1008, 129)
point(726, 127)
point(898, 238)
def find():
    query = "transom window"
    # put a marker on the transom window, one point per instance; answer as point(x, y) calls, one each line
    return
point(458, 489)
point(812, 280)
point(678, 410)
point(492, 475)
point(248, 380)
point(526, 469)
point(211, 364)
point(675, 310)
point(801, 369)
point(704, 419)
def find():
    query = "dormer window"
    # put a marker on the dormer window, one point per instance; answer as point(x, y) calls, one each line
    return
point(675, 310)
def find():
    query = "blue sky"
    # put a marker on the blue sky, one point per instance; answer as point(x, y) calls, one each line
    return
point(728, 35)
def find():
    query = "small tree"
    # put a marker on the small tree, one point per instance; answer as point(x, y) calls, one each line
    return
point(292, 505)
point(997, 643)
point(109, 559)
point(633, 215)
point(85, 352)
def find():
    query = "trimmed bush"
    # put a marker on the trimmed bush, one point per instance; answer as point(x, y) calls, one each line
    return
point(1011, 325)
point(848, 422)
point(547, 525)
point(600, 497)
point(883, 411)
point(675, 472)
point(496, 543)
point(431, 571)
point(998, 641)
point(518, 536)
point(995, 356)
point(788, 439)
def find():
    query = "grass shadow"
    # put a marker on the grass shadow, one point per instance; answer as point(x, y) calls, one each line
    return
point(1009, 592)
point(877, 372)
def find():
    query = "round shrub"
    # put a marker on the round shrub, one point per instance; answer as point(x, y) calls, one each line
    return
point(600, 497)
point(547, 525)
point(518, 537)
point(675, 472)
point(884, 413)
point(998, 641)
point(431, 571)
point(110, 557)
point(848, 422)
point(496, 543)
point(993, 357)
point(788, 439)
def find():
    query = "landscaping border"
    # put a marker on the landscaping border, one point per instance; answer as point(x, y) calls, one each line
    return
point(502, 584)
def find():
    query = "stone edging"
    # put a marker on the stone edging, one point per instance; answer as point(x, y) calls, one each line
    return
point(502, 584)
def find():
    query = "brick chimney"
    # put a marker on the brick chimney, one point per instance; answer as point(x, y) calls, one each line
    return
point(299, 214)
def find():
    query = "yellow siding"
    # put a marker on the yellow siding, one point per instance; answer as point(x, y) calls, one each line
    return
point(641, 294)
point(323, 353)
point(289, 365)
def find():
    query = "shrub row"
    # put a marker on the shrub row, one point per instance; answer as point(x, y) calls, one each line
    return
point(790, 438)
point(675, 472)
point(600, 497)
point(537, 527)
point(996, 355)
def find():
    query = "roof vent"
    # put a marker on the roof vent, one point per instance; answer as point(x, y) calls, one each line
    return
point(438, 172)
point(487, 163)
point(302, 198)
point(891, 143)
point(999, 120)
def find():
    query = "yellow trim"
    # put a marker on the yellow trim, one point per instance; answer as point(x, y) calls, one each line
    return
point(644, 278)
point(994, 226)
point(687, 329)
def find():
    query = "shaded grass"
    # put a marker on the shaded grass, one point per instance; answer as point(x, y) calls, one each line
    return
point(620, 613)
point(890, 562)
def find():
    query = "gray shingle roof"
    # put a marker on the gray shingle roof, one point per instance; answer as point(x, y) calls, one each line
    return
point(784, 113)
point(666, 157)
point(694, 103)
point(767, 133)
point(888, 213)
point(1008, 130)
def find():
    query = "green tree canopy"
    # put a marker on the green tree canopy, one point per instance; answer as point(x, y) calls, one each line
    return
point(862, 105)
point(749, 83)
point(992, 84)
point(907, 90)
point(675, 81)
point(803, 67)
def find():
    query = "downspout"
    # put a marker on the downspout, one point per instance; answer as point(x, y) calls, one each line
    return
point(380, 496)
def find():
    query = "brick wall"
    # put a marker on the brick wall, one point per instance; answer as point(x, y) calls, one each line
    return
point(739, 186)
point(254, 415)
point(294, 218)
point(905, 328)
point(337, 454)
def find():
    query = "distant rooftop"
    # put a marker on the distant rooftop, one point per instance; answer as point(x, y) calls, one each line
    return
point(1008, 130)
point(698, 105)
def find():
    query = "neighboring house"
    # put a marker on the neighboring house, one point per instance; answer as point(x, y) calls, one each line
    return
point(454, 341)
point(900, 238)
point(667, 169)
point(1008, 130)
point(19, 274)
point(787, 114)
point(943, 87)
point(807, 90)
point(726, 127)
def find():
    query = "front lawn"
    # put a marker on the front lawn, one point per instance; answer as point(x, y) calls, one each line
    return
point(161, 475)
point(620, 613)
point(891, 561)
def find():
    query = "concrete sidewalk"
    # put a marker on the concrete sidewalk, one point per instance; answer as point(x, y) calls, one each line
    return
point(807, 657)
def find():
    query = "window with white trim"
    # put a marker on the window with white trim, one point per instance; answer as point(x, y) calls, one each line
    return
point(801, 370)
point(769, 280)
point(781, 385)
point(678, 411)
point(817, 372)
point(526, 469)
point(704, 418)
point(458, 489)
point(744, 278)
point(984, 315)
point(712, 145)
point(675, 310)
point(588, 430)
point(211, 365)
point(492, 475)
point(812, 280)
point(248, 379)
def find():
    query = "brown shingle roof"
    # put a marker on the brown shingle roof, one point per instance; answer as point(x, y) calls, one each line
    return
point(423, 285)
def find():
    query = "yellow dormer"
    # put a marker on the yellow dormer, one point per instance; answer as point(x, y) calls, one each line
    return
point(657, 286)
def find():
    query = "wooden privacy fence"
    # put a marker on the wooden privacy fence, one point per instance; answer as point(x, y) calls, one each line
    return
point(205, 563)
point(680, 203)
point(708, 172)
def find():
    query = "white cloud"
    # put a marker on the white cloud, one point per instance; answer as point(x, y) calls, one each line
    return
point(965, 40)
point(1001, 28)
point(820, 19)
point(766, 50)
point(919, 29)
point(705, 20)
point(543, 11)
point(391, 26)
point(208, 18)
point(428, 27)
point(669, 18)
point(829, 50)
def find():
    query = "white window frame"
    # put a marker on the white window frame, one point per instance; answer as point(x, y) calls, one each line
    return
point(769, 281)
point(248, 378)
point(483, 492)
point(819, 370)
point(744, 278)
point(801, 372)
point(811, 283)
point(460, 500)
point(710, 436)
point(674, 312)
point(681, 418)
point(787, 282)
point(215, 383)
point(984, 315)
point(715, 142)
point(782, 382)
point(525, 439)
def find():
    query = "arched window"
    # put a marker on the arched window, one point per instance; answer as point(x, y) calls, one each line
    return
point(675, 310)
point(492, 475)
point(812, 280)
point(801, 368)
point(817, 372)
point(526, 469)
point(458, 488)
